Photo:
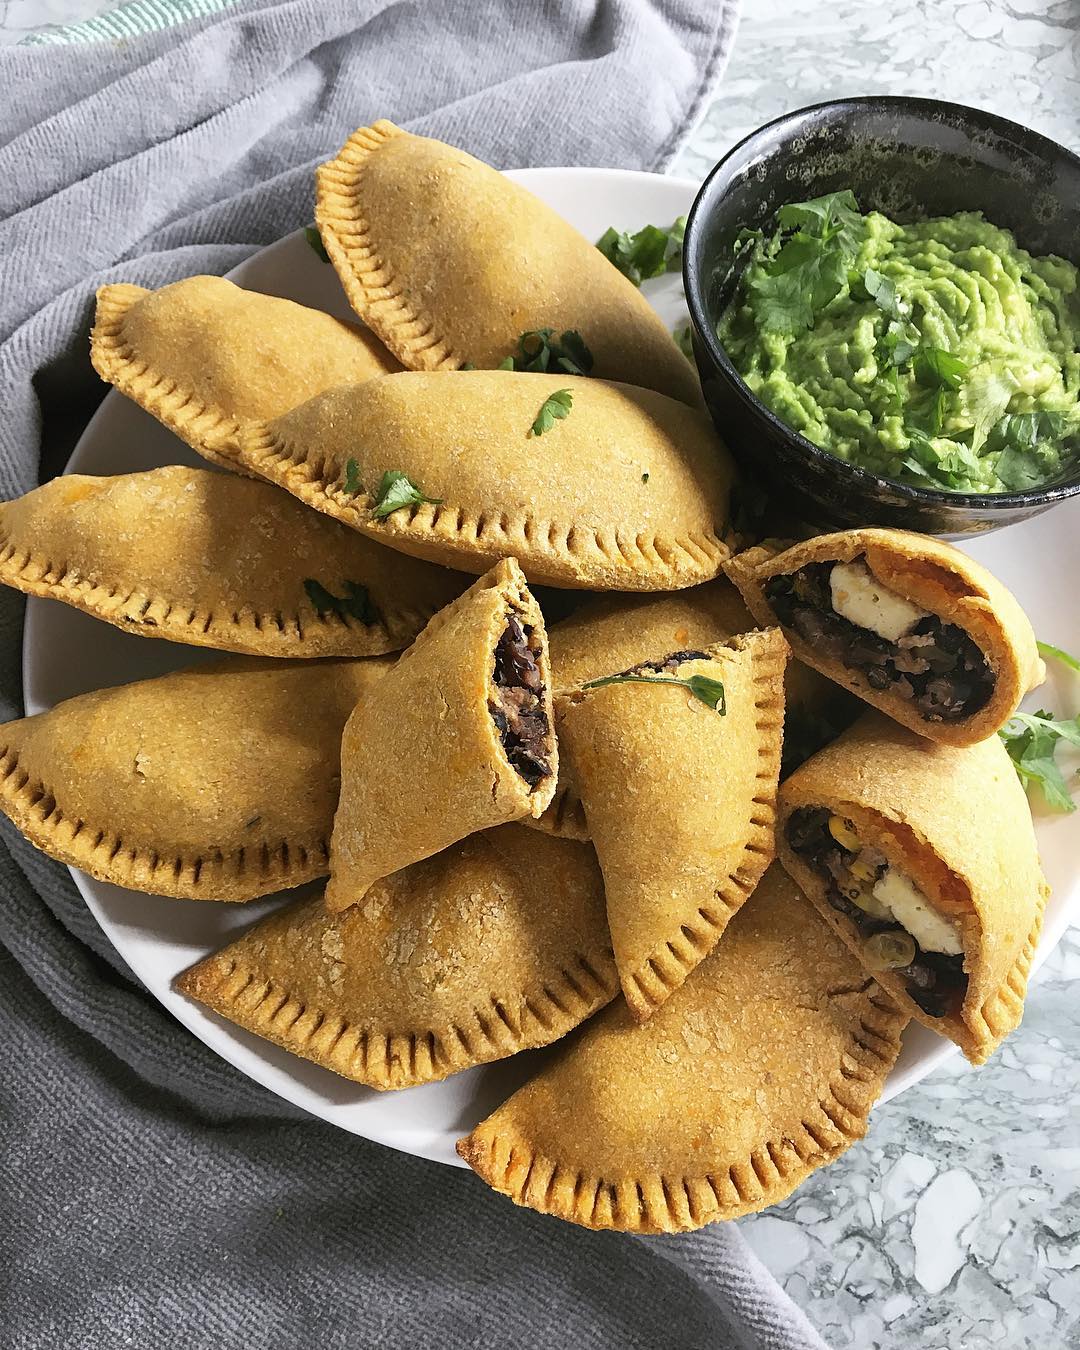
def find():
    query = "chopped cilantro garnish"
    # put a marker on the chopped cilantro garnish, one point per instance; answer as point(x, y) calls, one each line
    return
point(709, 691)
point(540, 351)
point(352, 484)
point(552, 410)
point(396, 491)
point(314, 238)
point(354, 604)
point(1056, 654)
point(649, 252)
point(936, 368)
point(1028, 444)
point(1032, 740)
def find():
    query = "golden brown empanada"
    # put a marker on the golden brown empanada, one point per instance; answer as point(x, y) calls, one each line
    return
point(912, 625)
point(214, 783)
point(450, 262)
point(213, 560)
point(923, 858)
point(202, 354)
point(679, 799)
point(494, 946)
point(614, 632)
point(459, 738)
point(760, 1070)
point(628, 492)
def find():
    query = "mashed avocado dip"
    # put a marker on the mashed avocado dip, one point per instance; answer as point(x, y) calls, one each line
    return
point(938, 353)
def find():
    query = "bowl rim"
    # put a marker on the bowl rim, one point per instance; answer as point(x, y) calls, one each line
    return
point(705, 332)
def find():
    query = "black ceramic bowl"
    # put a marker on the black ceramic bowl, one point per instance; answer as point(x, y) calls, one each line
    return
point(906, 157)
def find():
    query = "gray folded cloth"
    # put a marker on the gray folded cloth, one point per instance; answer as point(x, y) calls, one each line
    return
point(149, 1194)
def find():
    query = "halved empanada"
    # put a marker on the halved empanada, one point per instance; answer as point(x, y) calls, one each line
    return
point(450, 262)
point(923, 858)
point(202, 355)
point(628, 492)
point(215, 783)
point(213, 560)
point(679, 798)
point(494, 946)
point(762, 1069)
point(909, 623)
point(458, 738)
point(614, 632)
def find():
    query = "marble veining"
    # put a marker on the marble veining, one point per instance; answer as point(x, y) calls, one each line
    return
point(955, 1225)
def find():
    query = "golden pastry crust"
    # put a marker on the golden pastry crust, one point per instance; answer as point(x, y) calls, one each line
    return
point(497, 945)
point(423, 763)
point(629, 492)
point(212, 560)
point(956, 821)
point(763, 1068)
point(202, 355)
point(450, 262)
point(680, 803)
point(214, 783)
point(936, 577)
point(614, 632)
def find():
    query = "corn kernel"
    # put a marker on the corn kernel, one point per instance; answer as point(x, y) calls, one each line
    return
point(862, 871)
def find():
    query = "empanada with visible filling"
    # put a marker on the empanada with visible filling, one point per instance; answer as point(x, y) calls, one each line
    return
point(679, 800)
point(910, 624)
point(628, 492)
point(458, 738)
point(202, 354)
point(923, 858)
point(614, 632)
point(450, 262)
point(214, 783)
point(494, 946)
point(760, 1070)
point(213, 560)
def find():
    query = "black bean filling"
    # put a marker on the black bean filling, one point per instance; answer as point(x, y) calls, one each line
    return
point(666, 665)
point(935, 981)
point(936, 665)
point(518, 707)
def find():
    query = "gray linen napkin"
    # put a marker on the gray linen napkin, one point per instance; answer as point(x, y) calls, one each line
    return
point(150, 1195)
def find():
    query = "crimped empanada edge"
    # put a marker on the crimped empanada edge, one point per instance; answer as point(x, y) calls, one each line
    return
point(655, 1202)
point(388, 1061)
point(240, 628)
point(651, 983)
point(207, 429)
point(550, 552)
point(403, 323)
point(256, 869)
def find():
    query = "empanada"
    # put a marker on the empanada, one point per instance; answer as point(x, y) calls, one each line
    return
point(760, 1070)
point(494, 946)
point(213, 560)
point(450, 262)
point(215, 783)
point(202, 355)
point(614, 632)
point(679, 799)
point(910, 624)
point(923, 858)
point(628, 492)
point(458, 738)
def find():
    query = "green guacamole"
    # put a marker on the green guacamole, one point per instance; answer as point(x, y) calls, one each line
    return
point(938, 353)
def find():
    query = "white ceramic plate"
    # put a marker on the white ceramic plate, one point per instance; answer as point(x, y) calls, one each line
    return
point(67, 653)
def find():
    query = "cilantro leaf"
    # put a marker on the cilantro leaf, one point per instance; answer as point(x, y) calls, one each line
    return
point(354, 604)
point(1031, 740)
point(352, 483)
point(396, 491)
point(552, 410)
point(935, 368)
point(649, 252)
point(883, 293)
point(1029, 446)
point(1056, 654)
point(952, 467)
point(540, 351)
point(314, 238)
point(704, 688)
point(836, 215)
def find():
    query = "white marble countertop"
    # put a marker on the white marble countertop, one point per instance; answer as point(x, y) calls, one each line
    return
point(956, 1224)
